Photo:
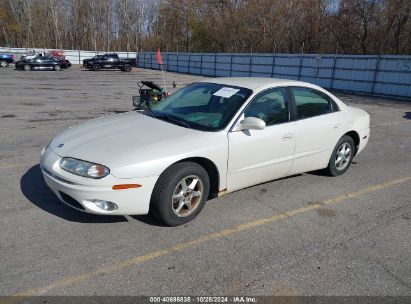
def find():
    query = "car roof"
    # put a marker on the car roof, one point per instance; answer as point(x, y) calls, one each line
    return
point(253, 83)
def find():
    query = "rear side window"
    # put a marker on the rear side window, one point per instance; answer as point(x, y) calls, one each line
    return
point(310, 102)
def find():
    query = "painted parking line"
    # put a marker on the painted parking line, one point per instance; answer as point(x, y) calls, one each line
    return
point(75, 279)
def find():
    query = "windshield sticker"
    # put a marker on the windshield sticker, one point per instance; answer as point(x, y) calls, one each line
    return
point(226, 92)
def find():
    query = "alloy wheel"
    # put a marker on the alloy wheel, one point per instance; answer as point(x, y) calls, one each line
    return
point(187, 195)
point(343, 156)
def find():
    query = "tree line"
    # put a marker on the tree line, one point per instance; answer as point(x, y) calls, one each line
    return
point(273, 26)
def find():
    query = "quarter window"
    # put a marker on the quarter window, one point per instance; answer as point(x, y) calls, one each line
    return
point(310, 102)
point(270, 106)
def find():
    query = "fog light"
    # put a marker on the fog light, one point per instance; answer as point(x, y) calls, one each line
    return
point(105, 205)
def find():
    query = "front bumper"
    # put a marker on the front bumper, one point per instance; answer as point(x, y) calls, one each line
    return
point(78, 192)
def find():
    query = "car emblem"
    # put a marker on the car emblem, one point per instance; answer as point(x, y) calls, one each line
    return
point(60, 146)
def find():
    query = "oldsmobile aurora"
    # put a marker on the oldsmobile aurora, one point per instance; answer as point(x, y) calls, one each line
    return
point(212, 137)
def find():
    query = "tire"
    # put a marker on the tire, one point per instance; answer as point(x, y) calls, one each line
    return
point(4, 64)
point(57, 68)
point(27, 67)
point(127, 68)
point(341, 157)
point(96, 67)
point(170, 201)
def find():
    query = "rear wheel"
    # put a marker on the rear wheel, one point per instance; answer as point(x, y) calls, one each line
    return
point(4, 63)
point(57, 67)
point(96, 67)
point(127, 68)
point(180, 193)
point(27, 67)
point(342, 156)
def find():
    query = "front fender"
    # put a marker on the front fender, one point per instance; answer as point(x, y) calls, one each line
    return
point(210, 145)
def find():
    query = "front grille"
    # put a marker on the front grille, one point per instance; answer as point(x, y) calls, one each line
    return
point(71, 201)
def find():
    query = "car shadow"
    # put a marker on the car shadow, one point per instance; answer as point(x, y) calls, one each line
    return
point(102, 70)
point(149, 220)
point(323, 172)
point(407, 115)
point(36, 191)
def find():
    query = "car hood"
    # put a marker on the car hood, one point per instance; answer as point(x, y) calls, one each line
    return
point(119, 140)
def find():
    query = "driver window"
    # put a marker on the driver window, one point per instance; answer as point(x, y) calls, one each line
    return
point(270, 106)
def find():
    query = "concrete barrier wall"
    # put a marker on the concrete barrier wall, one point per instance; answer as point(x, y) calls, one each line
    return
point(370, 75)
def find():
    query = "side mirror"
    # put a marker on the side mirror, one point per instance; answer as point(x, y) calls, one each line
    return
point(250, 123)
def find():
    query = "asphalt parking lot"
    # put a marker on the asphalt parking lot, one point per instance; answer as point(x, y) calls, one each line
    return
point(305, 235)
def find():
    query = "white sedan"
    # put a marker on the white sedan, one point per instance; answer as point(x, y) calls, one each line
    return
point(210, 138)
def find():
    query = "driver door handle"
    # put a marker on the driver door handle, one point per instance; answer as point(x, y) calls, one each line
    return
point(287, 136)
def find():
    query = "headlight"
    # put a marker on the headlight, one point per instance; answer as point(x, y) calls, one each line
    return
point(83, 168)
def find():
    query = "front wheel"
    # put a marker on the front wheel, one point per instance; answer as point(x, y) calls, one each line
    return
point(127, 68)
point(27, 67)
point(96, 67)
point(4, 64)
point(341, 157)
point(180, 193)
point(57, 68)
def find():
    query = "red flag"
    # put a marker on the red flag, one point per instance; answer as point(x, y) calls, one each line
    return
point(158, 57)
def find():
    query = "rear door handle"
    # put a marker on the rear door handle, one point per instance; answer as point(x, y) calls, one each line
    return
point(287, 136)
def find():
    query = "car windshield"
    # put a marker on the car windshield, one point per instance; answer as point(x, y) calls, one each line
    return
point(202, 106)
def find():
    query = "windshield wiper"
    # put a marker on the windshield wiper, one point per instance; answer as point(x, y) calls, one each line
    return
point(173, 119)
